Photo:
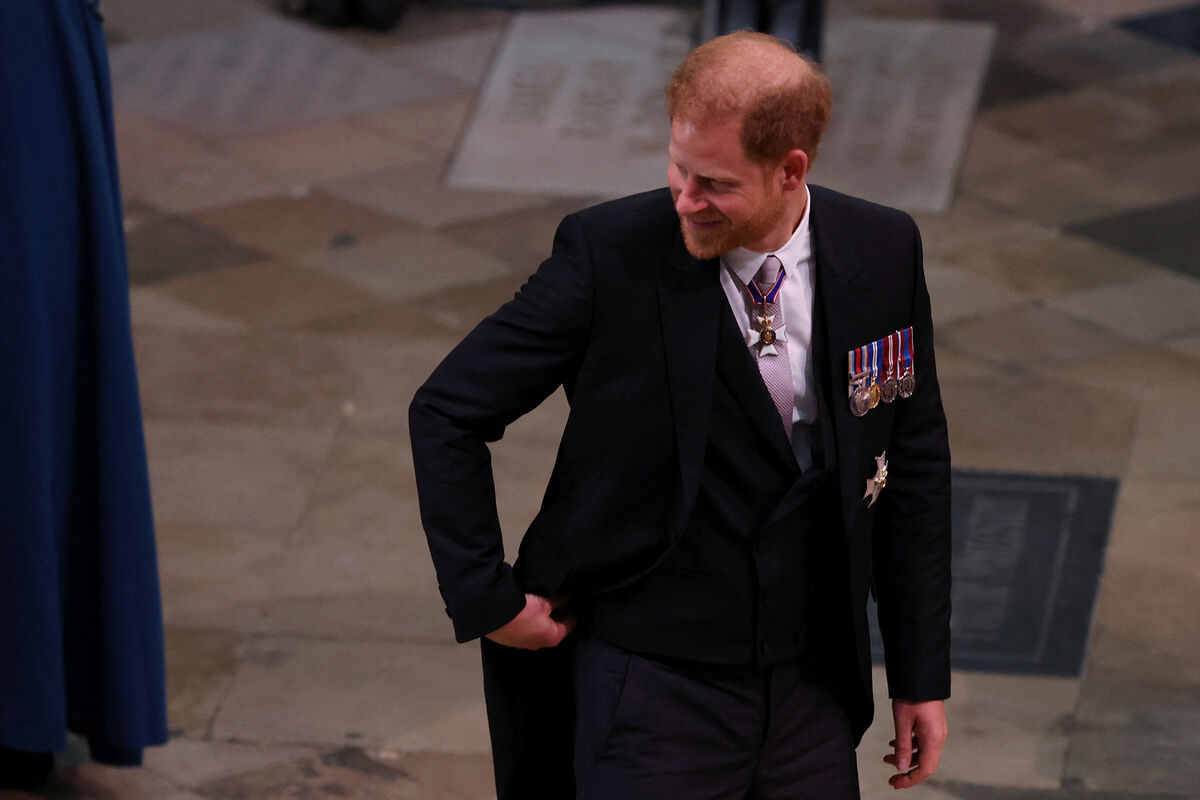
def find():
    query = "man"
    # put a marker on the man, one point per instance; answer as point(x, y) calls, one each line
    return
point(743, 355)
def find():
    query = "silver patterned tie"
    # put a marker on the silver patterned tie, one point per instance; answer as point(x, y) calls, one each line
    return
point(768, 338)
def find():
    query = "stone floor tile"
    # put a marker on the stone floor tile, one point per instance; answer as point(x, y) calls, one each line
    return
point(1138, 369)
point(91, 781)
point(1008, 82)
point(1138, 636)
point(1174, 300)
point(1178, 27)
point(176, 171)
point(957, 294)
point(1173, 91)
point(414, 613)
point(1087, 124)
point(133, 20)
point(1165, 234)
point(1086, 53)
point(266, 74)
point(200, 669)
point(429, 131)
point(965, 366)
point(918, 9)
point(291, 225)
point(419, 194)
point(1097, 10)
point(1168, 437)
point(269, 295)
point(1041, 262)
point(973, 223)
point(361, 532)
point(211, 575)
point(405, 264)
point(1027, 424)
point(1004, 729)
point(1188, 345)
point(406, 696)
point(388, 373)
point(151, 309)
point(522, 239)
point(173, 246)
point(273, 379)
point(1013, 19)
point(194, 762)
point(308, 581)
point(246, 475)
point(1032, 339)
point(424, 322)
point(345, 772)
point(1176, 168)
point(464, 777)
point(424, 21)
point(1123, 724)
point(974, 791)
point(323, 152)
point(463, 56)
point(990, 149)
point(1061, 191)
point(875, 787)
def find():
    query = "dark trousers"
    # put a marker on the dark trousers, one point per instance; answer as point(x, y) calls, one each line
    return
point(649, 729)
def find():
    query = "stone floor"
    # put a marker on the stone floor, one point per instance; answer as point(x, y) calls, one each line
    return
point(289, 294)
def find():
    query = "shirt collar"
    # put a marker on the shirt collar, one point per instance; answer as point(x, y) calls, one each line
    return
point(746, 263)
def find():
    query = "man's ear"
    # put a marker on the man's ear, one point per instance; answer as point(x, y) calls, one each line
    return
point(795, 168)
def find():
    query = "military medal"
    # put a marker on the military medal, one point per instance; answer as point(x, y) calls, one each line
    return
point(908, 380)
point(881, 371)
point(891, 386)
point(875, 485)
point(766, 335)
point(860, 396)
point(874, 392)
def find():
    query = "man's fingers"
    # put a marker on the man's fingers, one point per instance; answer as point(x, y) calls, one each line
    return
point(917, 748)
point(905, 780)
point(903, 753)
point(557, 601)
point(538, 625)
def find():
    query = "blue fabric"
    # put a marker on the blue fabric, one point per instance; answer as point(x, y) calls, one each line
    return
point(81, 643)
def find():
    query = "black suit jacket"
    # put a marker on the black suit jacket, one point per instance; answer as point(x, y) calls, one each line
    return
point(624, 318)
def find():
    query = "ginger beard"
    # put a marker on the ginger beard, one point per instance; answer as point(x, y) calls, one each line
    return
point(722, 234)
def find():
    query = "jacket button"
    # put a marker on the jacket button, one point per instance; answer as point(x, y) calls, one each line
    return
point(765, 649)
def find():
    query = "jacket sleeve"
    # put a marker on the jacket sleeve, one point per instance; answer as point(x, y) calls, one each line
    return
point(504, 368)
point(911, 545)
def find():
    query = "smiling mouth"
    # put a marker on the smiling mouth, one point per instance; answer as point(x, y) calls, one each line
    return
point(701, 223)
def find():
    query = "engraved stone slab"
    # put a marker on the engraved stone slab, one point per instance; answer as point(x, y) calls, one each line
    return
point(905, 93)
point(574, 105)
point(263, 75)
point(1028, 551)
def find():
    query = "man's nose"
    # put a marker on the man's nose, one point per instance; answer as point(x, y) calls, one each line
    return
point(689, 200)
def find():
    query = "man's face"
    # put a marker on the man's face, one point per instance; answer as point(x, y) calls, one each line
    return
point(724, 200)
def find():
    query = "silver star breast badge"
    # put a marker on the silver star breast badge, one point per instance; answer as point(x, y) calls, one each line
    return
point(875, 485)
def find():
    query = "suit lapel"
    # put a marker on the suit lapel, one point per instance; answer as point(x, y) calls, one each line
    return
point(736, 364)
point(843, 296)
point(689, 293)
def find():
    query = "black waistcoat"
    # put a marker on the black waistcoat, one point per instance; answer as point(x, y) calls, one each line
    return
point(742, 583)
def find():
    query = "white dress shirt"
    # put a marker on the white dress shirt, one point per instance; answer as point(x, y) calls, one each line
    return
point(797, 307)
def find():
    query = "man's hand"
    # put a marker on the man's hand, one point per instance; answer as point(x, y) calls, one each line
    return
point(544, 622)
point(920, 734)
